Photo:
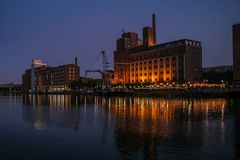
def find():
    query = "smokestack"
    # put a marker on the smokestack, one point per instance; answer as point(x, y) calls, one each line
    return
point(76, 61)
point(154, 28)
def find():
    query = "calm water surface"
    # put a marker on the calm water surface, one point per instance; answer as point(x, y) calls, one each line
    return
point(87, 127)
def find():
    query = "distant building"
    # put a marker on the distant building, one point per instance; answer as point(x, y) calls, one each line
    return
point(36, 63)
point(236, 51)
point(27, 79)
point(218, 74)
point(10, 87)
point(220, 69)
point(42, 77)
point(179, 60)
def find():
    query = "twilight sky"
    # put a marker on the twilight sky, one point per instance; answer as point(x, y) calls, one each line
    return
point(58, 30)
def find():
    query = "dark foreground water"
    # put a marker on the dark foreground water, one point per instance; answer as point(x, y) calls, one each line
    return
point(78, 127)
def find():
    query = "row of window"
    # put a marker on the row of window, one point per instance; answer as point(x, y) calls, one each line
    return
point(155, 67)
point(155, 73)
point(155, 80)
point(155, 61)
point(158, 54)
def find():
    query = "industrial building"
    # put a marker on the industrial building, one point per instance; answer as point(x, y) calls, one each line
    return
point(137, 60)
point(41, 77)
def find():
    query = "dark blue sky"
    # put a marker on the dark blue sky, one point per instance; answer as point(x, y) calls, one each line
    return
point(58, 30)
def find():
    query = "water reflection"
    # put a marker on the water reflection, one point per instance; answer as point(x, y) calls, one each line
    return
point(43, 110)
point(153, 125)
point(152, 128)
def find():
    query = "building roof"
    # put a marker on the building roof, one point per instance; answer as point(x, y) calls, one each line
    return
point(166, 45)
point(236, 24)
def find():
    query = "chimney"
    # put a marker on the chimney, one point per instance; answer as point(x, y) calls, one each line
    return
point(154, 28)
point(76, 61)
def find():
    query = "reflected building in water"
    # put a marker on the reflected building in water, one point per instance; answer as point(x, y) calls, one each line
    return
point(56, 110)
point(142, 127)
point(149, 125)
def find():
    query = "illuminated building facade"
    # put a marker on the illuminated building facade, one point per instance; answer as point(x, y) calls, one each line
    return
point(44, 78)
point(236, 52)
point(179, 61)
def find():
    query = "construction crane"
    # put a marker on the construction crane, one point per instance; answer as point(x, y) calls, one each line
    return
point(103, 72)
point(106, 65)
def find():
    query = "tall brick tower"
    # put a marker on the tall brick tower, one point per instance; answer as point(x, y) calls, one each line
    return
point(236, 51)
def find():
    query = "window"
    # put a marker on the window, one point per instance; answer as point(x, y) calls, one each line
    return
point(167, 72)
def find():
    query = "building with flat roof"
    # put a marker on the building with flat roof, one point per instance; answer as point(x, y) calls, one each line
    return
point(178, 61)
point(45, 78)
point(221, 69)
